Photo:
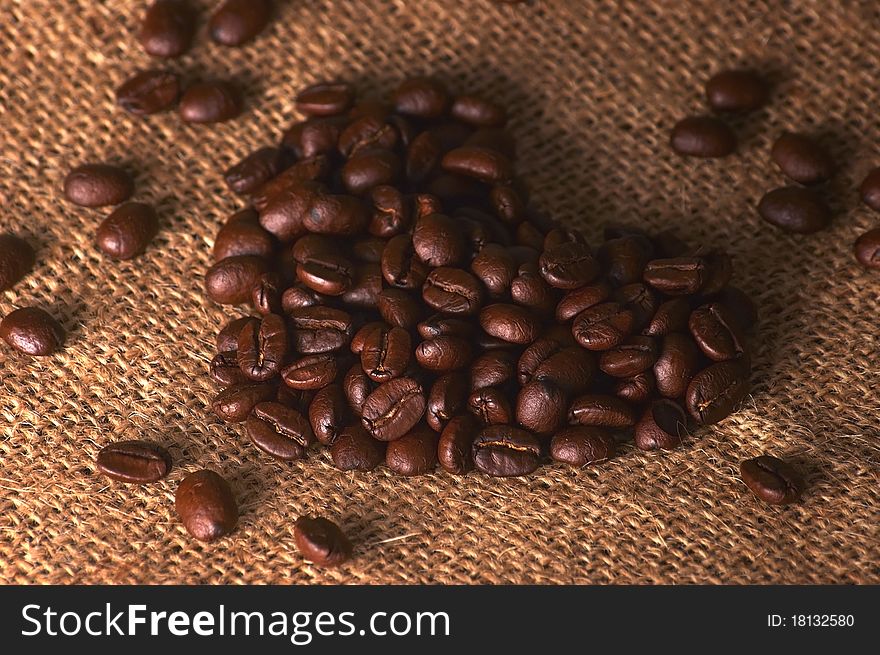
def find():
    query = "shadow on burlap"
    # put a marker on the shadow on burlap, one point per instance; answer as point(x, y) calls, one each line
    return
point(593, 89)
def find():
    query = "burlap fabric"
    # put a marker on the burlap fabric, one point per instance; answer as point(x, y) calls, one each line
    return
point(593, 88)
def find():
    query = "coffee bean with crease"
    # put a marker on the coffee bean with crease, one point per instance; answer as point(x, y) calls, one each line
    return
point(255, 170)
point(422, 157)
point(320, 329)
point(266, 295)
point(148, 92)
point(491, 406)
point(444, 353)
point(671, 316)
point(262, 348)
point(227, 338)
point(715, 392)
point(399, 308)
point(479, 162)
point(357, 387)
point(716, 332)
point(599, 410)
point(495, 267)
point(329, 273)
point(438, 241)
point(577, 300)
point(355, 450)
point(676, 364)
point(279, 431)
point(640, 300)
point(568, 265)
point(415, 453)
point(494, 368)
point(134, 461)
point(225, 370)
point(603, 326)
point(386, 353)
point(311, 371)
point(662, 426)
point(507, 203)
point(329, 413)
point(541, 406)
point(637, 389)
point(773, 480)
point(325, 99)
point(455, 448)
point(234, 404)
point(321, 541)
point(629, 358)
point(452, 291)
point(535, 355)
point(677, 276)
point(446, 399)
point(506, 451)
point(401, 266)
point(392, 212)
point(510, 323)
point(530, 290)
point(581, 445)
point(369, 168)
point(393, 408)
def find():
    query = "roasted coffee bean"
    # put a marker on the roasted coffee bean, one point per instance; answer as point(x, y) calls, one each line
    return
point(479, 162)
point(446, 399)
point(291, 191)
point(719, 267)
point(266, 295)
point(535, 355)
point(602, 326)
point(557, 236)
point(671, 316)
point(772, 480)
point(299, 297)
point(439, 325)
point(227, 338)
point(238, 21)
point(313, 246)
point(243, 238)
point(530, 290)
point(32, 331)
point(127, 231)
point(225, 369)
point(507, 203)
point(391, 212)
point(210, 102)
point(438, 241)
point(355, 450)
point(357, 387)
point(716, 332)
point(401, 267)
point(795, 209)
point(577, 300)
point(235, 403)
point(715, 392)
point(510, 323)
point(580, 446)
point(561, 333)
point(599, 410)
point(337, 215)
point(262, 348)
point(637, 389)
point(415, 453)
point(495, 268)
point(624, 259)
point(571, 369)
point(452, 291)
point(167, 28)
point(328, 413)
point(736, 91)
point(702, 136)
point(506, 451)
point(283, 214)
point(331, 274)
point(494, 368)
point(455, 448)
point(527, 234)
point(541, 406)
point(866, 248)
point(369, 168)
point(422, 157)
point(662, 426)
point(393, 408)
point(386, 353)
point(477, 111)
point(368, 250)
point(294, 398)
point(422, 97)
point(640, 300)
point(206, 505)
point(252, 172)
point(320, 329)
point(491, 406)
point(280, 431)
point(677, 276)
point(870, 189)
point(442, 354)
point(97, 185)
point(365, 133)
point(629, 358)
point(310, 372)
point(148, 92)
point(134, 461)
point(16, 260)
point(802, 158)
point(399, 308)
point(231, 280)
point(676, 365)
point(325, 99)
point(364, 334)
point(321, 541)
point(568, 265)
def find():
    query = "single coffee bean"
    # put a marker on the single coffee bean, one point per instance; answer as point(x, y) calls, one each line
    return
point(716, 332)
point(479, 162)
point(678, 276)
point(442, 354)
point(870, 189)
point(510, 323)
point(801, 158)
point(369, 168)
point(238, 21)
point(225, 369)
point(580, 446)
point(386, 353)
point(662, 426)
point(629, 358)
point(541, 407)
point(206, 505)
point(127, 231)
point(279, 431)
point(357, 387)
point(167, 28)
point(639, 299)
point(355, 450)
point(506, 451)
point(320, 329)
point(495, 268)
point(507, 203)
point(295, 398)
point(331, 274)
point(325, 99)
point(530, 290)
point(337, 215)
point(527, 234)
point(365, 334)
point(231, 280)
point(446, 399)
point(603, 326)
point(671, 316)
point(491, 406)
point(283, 213)
point(736, 91)
point(243, 238)
point(422, 97)
point(134, 461)
point(867, 249)
point(392, 213)
point(255, 170)
point(262, 348)
point(399, 308)
point(702, 136)
point(599, 410)
point(493, 368)
point(422, 157)
point(455, 448)
point(772, 480)
point(438, 241)
point(32, 331)
point(439, 325)
point(568, 265)
point(266, 295)
point(637, 389)
point(321, 541)
point(235, 403)
point(300, 297)
point(365, 133)
point(477, 111)
point(210, 102)
point(795, 209)
point(535, 355)
point(452, 291)
point(676, 365)
point(571, 369)
point(415, 453)
point(97, 185)
point(328, 413)
point(715, 392)
point(16, 260)
point(624, 259)
point(149, 92)
point(401, 267)
point(310, 372)
point(577, 300)
point(393, 408)
point(227, 338)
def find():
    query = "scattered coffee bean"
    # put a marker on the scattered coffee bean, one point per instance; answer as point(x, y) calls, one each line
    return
point(795, 209)
point(127, 231)
point(736, 91)
point(149, 92)
point(867, 249)
point(422, 97)
point(210, 102)
point(206, 505)
point(32, 331)
point(255, 170)
point(702, 136)
point(16, 260)
point(715, 392)
point(167, 28)
point(134, 461)
point(325, 99)
point(98, 185)
point(772, 480)
point(801, 158)
point(321, 541)
point(238, 21)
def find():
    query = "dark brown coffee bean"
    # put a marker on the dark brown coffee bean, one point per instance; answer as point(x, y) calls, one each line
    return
point(392, 212)
point(507, 203)
point(225, 369)
point(262, 348)
point(452, 291)
point(310, 372)
point(716, 332)
point(206, 505)
point(629, 358)
point(510, 323)
point(719, 267)
point(671, 316)
point(455, 448)
point(702, 136)
point(491, 406)
point(320, 329)
point(422, 157)
point(137, 462)
point(439, 325)
point(535, 355)
point(148, 92)
point(243, 238)
point(494, 368)
point(266, 295)
point(801, 158)
point(676, 365)
point(280, 431)
point(210, 102)
point(369, 168)
point(289, 194)
point(423, 97)
point(227, 338)
point(866, 248)
point(235, 403)
point(325, 99)
point(415, 453)
point(97, 185)
point(16, 260)
point(736, 91)
point(337, 215)
point(445, 353)
point(401, 267)
point(677, 276)
point(321, 541)
point(603, 326)
point(624, 259)
point(577, 300)
point(365, 133)
point(357, 387)
point(662, 426)
point(640, 300)
point(231, 280)
point(741, 307)
point(496, 268)
point(364, 335)
point(355, 450)
point(238, 21)
point(580, 446)
point(637, 389)
point(481, 163)
point(715, 392)
point(527, 234)
point(252, 172)
point(386, 353)
point(331, 274)
point(870, 189)
point(530, 290)
point(167, 28)
point(127, 231)
point(571, 369)
point(477, 111)
point(399, 308)
point(393, 408)
point(541, 407)
point(32, 331)
point(506, 451)
point(568, 266)
point(299, 297)
point(446, 399)
point(772, 480)
point(438, 241)
point(601, 411)
point(795, 209)
point(328, 413)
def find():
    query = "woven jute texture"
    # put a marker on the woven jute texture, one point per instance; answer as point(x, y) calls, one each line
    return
point(593, 89)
